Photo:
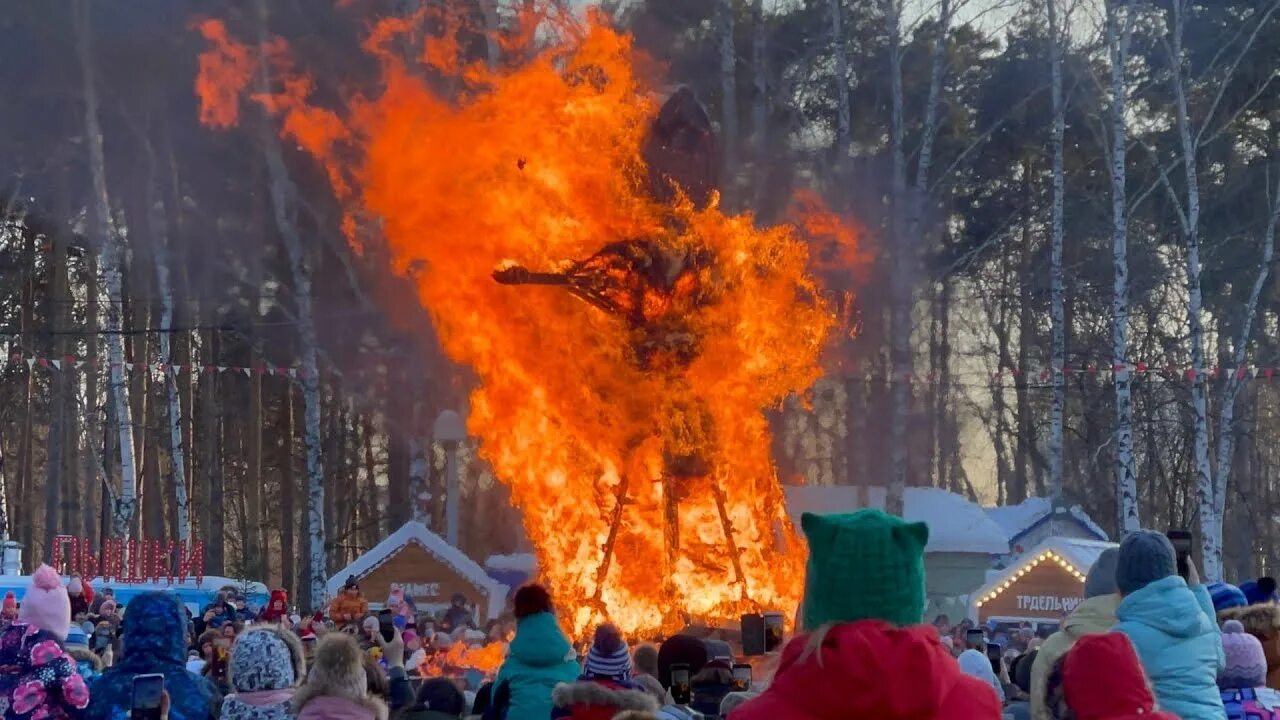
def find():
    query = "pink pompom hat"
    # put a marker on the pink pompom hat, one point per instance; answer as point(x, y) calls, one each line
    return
point(45, 604)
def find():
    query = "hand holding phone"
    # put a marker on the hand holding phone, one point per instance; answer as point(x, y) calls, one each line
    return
point(1182, 549)
point(149, 698)
point(741, 677)
point(681, 690)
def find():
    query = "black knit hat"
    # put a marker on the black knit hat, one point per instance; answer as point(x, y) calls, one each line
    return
point(351, 583)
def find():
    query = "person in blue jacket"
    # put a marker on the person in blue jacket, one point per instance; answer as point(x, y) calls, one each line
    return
point(1171, 624)
point(539, 659)
point(154, 641)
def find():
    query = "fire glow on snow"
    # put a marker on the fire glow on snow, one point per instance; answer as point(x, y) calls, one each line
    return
point(537, 165)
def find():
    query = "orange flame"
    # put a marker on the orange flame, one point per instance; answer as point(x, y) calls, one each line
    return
point(539, 165)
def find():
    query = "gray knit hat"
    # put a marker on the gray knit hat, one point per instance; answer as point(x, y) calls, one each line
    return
point(1101, 579)
point(1145, 557)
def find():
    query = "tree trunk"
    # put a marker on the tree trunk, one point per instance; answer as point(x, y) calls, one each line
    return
point(100, 229)
point(760, 85)
point(92, 459)
point(724, 24)
point(1025, 442)
point(1057, 231)
point(400, 429)
point(22, 521)
point(282, 193)
point(254, 546)
point(288, 486)
point(901, 294)
point(1227, 404)
point(840, 147)
point(1119, 33)
point(213, 513)
point(159, 220)
point(58, 380)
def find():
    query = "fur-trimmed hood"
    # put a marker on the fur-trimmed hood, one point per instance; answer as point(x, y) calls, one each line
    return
point(1261, 621)
point(337, 687)
point(594, 693)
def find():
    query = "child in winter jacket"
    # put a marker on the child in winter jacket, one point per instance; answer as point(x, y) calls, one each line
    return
point(1243, 680)
point(605, 688)
point(866, 655)
point(38, 680)
point(1097, 614)
point(1103, 680)
point(1263, 622)
point(349, 608)
point(1172, 624)
point(277, 608)
point(539, 659)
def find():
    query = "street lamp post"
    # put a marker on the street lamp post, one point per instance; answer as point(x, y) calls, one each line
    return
point(449, 430)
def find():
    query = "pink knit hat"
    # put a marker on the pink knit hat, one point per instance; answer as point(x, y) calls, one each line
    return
point(45, 604)
point(1246, 665)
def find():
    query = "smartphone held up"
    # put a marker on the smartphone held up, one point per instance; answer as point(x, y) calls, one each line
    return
point(148, 697)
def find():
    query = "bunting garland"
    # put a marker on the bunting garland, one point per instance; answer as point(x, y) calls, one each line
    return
point(71, 361)
point(1043, 377)
point(1011, 377)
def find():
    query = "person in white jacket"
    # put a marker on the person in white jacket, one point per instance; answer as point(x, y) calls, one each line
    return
point(974, 661)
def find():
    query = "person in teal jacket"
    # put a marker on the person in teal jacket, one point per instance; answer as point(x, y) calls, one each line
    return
point(1171, 624)
point(539, 659)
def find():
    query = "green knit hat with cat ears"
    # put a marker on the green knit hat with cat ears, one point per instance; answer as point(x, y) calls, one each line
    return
point(865, 565)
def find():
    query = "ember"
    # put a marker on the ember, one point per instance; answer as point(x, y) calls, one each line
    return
point(622, 403)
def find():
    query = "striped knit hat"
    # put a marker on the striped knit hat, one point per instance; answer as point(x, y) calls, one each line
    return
point(1246, 663)
point(1225, 596)
point(609, 657)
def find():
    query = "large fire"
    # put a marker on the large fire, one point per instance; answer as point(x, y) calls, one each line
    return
point(626, 341)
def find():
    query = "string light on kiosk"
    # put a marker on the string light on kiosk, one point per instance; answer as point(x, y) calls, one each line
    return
point(1047, 556)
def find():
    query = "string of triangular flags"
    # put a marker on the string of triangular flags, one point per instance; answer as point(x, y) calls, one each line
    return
point(1044, 376)
point(1036, 377)
point(71, 361)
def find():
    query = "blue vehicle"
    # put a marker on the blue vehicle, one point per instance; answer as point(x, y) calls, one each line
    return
point(195, 596)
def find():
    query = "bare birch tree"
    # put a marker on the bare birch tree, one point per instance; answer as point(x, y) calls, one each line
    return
point(110, 250)
point(1120, 16)
point(1057, 291)
point(283, 192)
point(1191, 138)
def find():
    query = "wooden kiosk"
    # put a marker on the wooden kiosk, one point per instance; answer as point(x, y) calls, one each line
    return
point(1042, 586)
point(429, 570)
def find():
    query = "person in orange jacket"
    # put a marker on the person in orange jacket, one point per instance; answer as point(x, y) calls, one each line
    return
point(865, 653)
point(350, 607)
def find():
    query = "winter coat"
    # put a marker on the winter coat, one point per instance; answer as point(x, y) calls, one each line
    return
point(38, 680)
point(1095, 615)
point(977, 664)
point(1263, 622)
point(88, 664)
point(539, 659)
point(599, 699)
point(1175, 632)
point(458, 616)
point(79, 604)
point(154, 641)
point(869, 670)
point(1103, 680)
point(345, 610)
point(266, 667)
point(1252, 704)
point(330, 707)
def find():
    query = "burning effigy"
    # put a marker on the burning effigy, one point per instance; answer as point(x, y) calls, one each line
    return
point(562, 224)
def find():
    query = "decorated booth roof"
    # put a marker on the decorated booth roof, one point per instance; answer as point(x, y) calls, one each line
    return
point(1072, 555)
point(1017, 520)
point(956, 525)
point(416, 532)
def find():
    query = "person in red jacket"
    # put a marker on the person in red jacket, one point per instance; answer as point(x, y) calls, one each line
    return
point(277, 607)
point(865, 653)
point(1103, 680)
